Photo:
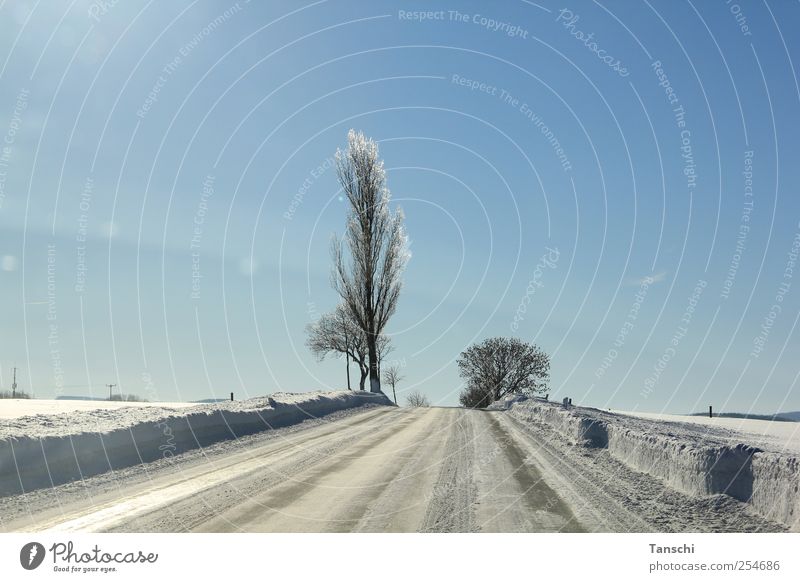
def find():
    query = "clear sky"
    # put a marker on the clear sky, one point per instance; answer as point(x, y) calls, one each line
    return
point(615, 181)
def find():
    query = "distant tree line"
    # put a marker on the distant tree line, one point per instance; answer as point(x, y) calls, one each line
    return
point(6, 394)
point(127, 398)
point(776, 417)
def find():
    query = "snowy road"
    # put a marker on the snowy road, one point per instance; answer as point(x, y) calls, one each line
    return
point(383, 469)
point(432, 469)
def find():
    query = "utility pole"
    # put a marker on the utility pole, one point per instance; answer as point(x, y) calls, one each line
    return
point(14, 384)
point(110, 387)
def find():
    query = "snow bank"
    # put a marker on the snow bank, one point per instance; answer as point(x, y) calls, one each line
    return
point(697, 469)
point(576, 426)
point(45, 450)
point(693, 459)
point(776, 479)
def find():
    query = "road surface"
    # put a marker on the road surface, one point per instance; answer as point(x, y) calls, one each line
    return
point(386, 469)
point(380, 469)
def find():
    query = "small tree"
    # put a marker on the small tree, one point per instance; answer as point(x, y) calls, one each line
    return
point(475, 397)
point(392, 377)
point(499, 366)
point(417, 400)
point(334, 333)
point(368, 279)
point(337, 333)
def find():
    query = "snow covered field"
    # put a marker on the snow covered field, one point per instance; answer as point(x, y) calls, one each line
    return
point(766, 434)
point(24, 407)
point(49, 449)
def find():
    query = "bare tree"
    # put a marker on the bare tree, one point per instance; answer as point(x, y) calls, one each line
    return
point(417, 400)
point(500, 366)
point(334, 333)
point(392, 377)
point(337, 333)
point(368, 279)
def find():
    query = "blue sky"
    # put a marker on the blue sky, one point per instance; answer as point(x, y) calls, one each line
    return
point(510, 131)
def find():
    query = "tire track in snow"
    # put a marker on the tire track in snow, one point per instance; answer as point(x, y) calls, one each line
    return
point(400, 507)
point(518, 498)
point(451, 507)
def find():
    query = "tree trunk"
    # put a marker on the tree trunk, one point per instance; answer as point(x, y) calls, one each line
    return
point(374, 376)
point(394, 394)
point(347, 359)
point(496, 391)
point(364, 374)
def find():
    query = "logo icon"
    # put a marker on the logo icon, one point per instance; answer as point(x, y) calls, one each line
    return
point(31, 555)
